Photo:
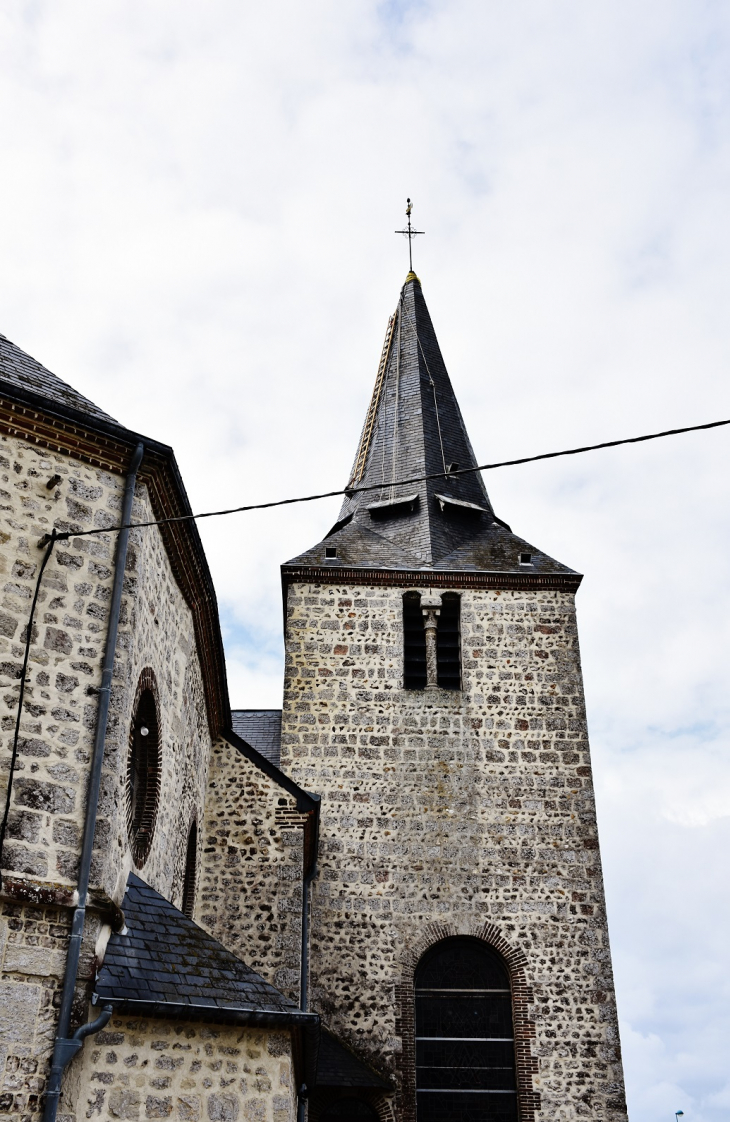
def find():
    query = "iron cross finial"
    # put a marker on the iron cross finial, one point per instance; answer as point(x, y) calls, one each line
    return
point(410, 233)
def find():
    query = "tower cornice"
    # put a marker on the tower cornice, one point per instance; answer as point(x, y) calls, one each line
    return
point(432, 578)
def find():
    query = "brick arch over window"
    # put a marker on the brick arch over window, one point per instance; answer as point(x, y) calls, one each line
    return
point(144, 767)
point(528, 1100)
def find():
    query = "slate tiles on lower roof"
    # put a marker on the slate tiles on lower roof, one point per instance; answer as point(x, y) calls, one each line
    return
point(165, 958)
point(261, 728)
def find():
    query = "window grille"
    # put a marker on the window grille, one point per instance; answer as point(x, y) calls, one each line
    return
point(414, 643)
point(143, 770)
point(448, 642)
point(465, 1065)
point(191, 860)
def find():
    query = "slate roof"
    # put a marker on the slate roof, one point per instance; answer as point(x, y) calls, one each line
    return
point(166, 964)
point(414, 427)
point(261, 728)
point(337, 1066)
point(24, 373)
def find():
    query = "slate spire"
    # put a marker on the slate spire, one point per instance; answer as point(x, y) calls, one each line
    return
point(414, 428)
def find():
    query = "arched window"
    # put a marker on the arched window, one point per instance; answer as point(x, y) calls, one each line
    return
point(191, 862)
point(143, 769)
point(349, 1110)
point(465, 1060)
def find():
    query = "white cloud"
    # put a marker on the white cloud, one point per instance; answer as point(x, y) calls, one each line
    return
point(198, 206)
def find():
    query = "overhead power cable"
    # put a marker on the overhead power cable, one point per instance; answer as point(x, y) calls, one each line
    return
point(349, 491)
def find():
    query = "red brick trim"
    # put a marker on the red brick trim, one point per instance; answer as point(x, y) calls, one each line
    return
point(428, 578)
point(528, 1100)
point(141, 843)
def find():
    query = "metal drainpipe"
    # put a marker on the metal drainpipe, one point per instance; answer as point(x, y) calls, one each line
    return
point(66, 1047)
point(304, 983)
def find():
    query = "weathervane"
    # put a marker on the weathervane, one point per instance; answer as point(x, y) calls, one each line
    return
point(410, 233)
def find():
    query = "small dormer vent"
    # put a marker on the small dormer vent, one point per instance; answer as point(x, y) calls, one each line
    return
point(459, 509)
point(393, 508)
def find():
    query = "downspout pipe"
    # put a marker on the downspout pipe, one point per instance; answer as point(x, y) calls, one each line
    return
point(65, 1046)
point(304, 981)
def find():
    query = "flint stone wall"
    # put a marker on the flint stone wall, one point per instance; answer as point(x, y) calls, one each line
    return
point(59, 720)
point(455, 812)
point(59, 713)
point(250, 895)
point(139, 1069)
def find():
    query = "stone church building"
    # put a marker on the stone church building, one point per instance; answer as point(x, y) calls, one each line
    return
point(382, 902)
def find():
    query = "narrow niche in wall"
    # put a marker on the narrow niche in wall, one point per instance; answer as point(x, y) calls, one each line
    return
point(143, 769)
point(191, 862)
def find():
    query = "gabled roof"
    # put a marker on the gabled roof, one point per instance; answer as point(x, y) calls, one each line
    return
point(165, 965)
point(261, 728)
point(414, 428)
point(25, 373)
point(40, 408)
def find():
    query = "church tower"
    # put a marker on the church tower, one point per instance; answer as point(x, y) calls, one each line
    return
point(434, 699)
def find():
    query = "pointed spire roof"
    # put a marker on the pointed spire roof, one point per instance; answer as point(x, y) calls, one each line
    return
point(414, 428)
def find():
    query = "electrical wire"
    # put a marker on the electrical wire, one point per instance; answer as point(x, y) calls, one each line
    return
point(350, 491)
point(50, 540)
point(53, 538)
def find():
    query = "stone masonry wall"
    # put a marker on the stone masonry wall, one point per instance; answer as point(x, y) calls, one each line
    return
point(58, 724)
point(139, 1069)
point(57, 727)
point(59, 720)
point(250, 895)
point(468, 812)
point(156, 631)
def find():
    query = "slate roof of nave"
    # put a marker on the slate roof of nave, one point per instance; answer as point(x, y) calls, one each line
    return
point(164, 958)
point(165, 964)
point(414, 428)
point(25, 373)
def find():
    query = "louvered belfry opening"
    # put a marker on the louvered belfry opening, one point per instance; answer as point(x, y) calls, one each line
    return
point(465, 1059)
point(448, 640)
point(448, 643)
point(143, 769)
point(414, 643)
point(191, 863)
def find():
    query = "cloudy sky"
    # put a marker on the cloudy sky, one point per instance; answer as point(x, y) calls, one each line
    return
point(198, 206)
